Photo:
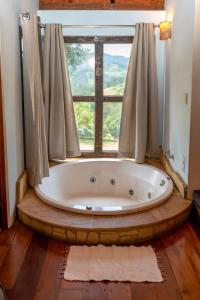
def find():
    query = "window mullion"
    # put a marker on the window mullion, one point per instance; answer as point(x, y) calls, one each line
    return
point(83, 98)
point(98, 96)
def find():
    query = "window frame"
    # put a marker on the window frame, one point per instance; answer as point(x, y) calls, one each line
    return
point(99, 99)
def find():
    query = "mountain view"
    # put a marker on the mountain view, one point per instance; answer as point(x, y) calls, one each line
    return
point(115, 70)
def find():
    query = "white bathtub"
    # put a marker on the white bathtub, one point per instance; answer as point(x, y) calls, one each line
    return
point(104, 187)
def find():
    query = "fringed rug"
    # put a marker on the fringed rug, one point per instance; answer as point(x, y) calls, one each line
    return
point(115, 263)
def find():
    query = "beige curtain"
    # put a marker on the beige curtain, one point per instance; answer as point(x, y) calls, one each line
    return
point(59, 112)
point(35, 136)
point(139, 132)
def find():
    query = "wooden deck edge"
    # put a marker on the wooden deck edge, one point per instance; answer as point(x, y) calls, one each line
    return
point(154, 223)
point(94, 236)
point(21, 186)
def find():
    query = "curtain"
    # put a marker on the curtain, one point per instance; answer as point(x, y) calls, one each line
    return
point(35, 136)
point(58, 102)
point(139, 130)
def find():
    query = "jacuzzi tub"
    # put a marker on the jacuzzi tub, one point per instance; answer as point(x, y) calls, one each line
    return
point(104, 187)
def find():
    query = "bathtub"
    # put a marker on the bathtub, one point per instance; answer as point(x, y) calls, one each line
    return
point(104, 187)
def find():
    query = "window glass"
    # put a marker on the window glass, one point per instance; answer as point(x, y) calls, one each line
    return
point(111, 125)
point(116, 60)
point(81, 65)
point(85, 116)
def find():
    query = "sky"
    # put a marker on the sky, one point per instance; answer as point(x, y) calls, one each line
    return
point(118, 49)
point(114, 49)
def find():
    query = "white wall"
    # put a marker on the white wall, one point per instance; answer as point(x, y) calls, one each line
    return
point(194, 162)
point(11, 80)
point(110, 18)
point(179, 60)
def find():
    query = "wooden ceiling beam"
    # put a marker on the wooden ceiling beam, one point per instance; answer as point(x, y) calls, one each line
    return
point(102, 4)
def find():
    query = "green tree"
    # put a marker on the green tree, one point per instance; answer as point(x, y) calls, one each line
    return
point(75, 55)
point(112, 116)
point(80, 71)
point(85, 119)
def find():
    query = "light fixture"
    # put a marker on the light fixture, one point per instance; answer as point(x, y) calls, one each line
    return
point(165, 30)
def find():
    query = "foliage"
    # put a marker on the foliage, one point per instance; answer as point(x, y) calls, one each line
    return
point(75, 54)
point(81, 69)
point(84, 112)
point(112, 116)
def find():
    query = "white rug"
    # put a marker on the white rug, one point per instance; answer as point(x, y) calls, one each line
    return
point(115, 263)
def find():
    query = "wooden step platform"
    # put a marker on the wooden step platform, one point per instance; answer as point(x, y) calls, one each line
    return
point(88, 229)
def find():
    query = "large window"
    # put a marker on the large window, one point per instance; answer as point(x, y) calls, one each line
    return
point(98, 68)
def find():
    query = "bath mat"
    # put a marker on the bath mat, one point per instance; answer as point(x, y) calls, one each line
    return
point(115, 263)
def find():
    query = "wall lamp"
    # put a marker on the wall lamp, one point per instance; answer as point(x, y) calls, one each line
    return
point(165, 30)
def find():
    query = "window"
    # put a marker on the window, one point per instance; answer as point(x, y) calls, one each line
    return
point(97, 69)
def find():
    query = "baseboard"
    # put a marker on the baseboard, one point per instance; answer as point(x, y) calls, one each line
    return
point(21, 186)
point(181, 185)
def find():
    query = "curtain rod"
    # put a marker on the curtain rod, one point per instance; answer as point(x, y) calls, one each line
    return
point(96, 26)
point(26, 16)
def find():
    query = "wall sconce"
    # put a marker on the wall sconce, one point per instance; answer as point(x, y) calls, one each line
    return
point(165, 30)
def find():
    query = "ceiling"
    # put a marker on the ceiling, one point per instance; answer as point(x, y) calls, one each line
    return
point(103, 4)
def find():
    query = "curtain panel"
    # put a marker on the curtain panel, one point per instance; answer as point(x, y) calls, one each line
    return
point(35, 135)
point(60, 122)
point(139, 130)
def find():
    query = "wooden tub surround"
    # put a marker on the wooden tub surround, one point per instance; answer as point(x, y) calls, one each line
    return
point(89, 229)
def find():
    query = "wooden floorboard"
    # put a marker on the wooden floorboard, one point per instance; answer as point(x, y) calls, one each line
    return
point(183, 250)
point(170, 283)
point(50, 277)
point(30, 267)
point(117, 291)
point(28, 277)
point(7, 236)
point(72, 295)
point(14, 259)
point(3, 253)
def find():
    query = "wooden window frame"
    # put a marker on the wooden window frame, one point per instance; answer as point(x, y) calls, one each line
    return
point(99, 99)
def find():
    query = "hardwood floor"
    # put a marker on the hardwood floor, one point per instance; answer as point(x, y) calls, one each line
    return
point(31, 267)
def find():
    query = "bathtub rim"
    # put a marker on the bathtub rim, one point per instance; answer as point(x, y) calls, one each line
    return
point(109, 210)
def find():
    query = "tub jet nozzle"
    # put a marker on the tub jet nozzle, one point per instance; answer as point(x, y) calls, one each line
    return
point(131, 192)
point(162, 183)
point(113, 181)
point(93, 179)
